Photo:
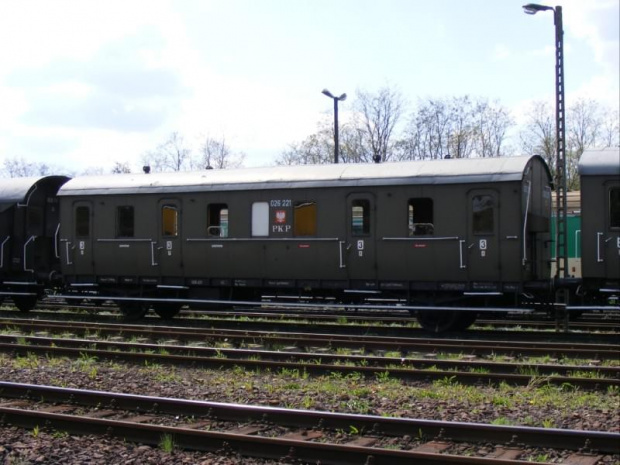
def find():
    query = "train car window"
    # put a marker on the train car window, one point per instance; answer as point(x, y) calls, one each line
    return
point(304, 219)
point(169, 221)
point(82, 222)
point(482, 211)
point(217, 220)
point(260, 219)
point(124, 221)
point(614, 207)
point(420, 217)
point(360, 217)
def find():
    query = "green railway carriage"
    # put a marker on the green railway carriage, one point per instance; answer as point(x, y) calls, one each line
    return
point(600, 213)
point(573, 242)
point(29, 216)
point(428, 232)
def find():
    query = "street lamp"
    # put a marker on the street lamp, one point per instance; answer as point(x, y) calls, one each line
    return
point(336, 100)
point(560, 164)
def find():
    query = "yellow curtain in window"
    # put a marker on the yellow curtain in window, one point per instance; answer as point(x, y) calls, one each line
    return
point(169, 221)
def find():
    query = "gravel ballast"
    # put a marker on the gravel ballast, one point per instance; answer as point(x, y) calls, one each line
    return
point(535, 405)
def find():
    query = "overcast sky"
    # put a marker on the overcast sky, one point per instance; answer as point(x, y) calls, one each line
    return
point(86, 83)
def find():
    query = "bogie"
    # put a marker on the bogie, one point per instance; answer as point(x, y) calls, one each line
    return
point(132, 310)
point(25, 303)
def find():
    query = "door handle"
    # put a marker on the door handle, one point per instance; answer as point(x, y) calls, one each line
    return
point(340, 244)
point(599, 258)
point(461, 257)
point(153, 262)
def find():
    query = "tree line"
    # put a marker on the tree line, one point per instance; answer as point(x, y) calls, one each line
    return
point(379, 126)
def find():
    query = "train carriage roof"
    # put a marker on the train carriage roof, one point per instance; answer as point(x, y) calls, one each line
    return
point(18, 190)
point(600, 162)
point(450, 171)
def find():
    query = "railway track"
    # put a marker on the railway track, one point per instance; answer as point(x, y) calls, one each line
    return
point(590, 322)
point(243, 333)
point(224, 323)
point(313, 360)
point(293, 435)
point(608, 323)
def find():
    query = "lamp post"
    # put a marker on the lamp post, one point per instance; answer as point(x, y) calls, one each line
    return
point(336, 100)
point(560, 164)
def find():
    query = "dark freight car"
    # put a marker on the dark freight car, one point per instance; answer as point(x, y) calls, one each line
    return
point(438, 232)
point(600, 213)
point(29, 226)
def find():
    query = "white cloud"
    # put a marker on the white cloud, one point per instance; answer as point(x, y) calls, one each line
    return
point(597, 23)
point(99, 82)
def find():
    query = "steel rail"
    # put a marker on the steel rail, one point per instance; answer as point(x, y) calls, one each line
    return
point(382, 362)
point(598, 441)
point(364, 317)
point(230, 327)
point(314, 316)
point(233, 443)
point(469, 346)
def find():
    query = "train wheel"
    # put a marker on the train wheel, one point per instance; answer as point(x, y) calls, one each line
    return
point(439, 321)
point(466, 319)
point(25, 303)
point(133, 310)
point(167, 310)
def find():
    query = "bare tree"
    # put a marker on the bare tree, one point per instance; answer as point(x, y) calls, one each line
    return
point(538, 134)
point(171, 155)
point(379, 113)
point(353, 147)
point(428, 132)
point(610, 128)
point(18, 168)
point(93, 171)
point(459, 127)
point(493, 121)
point(215, 153)
point(367, 136)
point(583, 125)
point(316, 149)
point(587, 125)
point(462, 128)
point(121, 168)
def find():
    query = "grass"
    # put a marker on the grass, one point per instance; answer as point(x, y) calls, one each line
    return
point(30, 361)
point(160, 373)
point(352, 393)
point(60, 434)
point(22, 341)
point(502, 421)
point(167, 444)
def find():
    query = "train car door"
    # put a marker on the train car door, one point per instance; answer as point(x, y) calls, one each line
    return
point(483, 231)
point(360, 248)
point(78, 248)
point(609, 243)
point(169, 245)
point(6, 230)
